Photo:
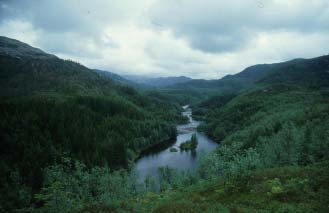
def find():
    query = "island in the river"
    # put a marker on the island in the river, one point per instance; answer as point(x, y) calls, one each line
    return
point(190, 144)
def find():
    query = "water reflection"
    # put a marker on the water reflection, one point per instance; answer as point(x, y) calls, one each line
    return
point(161, 156)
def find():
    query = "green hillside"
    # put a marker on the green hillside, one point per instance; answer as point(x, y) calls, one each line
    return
point(304, 72)
point(272, 156)
point(273, 143)
point(52, 108)
point(25, 74)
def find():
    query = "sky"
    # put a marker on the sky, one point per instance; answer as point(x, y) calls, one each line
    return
point(197, 38)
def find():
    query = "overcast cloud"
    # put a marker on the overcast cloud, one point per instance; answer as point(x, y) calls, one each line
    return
point(200, 39)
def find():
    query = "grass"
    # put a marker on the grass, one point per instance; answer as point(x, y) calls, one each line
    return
point(284, 189)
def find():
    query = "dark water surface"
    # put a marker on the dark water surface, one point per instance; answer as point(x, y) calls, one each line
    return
point(149, 162)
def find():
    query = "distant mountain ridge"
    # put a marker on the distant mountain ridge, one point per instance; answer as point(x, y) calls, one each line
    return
point(26, 70)
point(114, 76)
point(41, 71)
point(296, 71)
point(159, 81)
point(309, 72)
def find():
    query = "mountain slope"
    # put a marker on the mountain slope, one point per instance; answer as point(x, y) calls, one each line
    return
point(26, 70)
point(285, 189)
point(115, 77)
point(298, 71)
point(53, 109)
point(304, 72)
point(308, 72)
point(29, 75)
point(16, 49)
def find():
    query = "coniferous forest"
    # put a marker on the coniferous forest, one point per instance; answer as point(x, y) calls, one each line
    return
point(70, 135)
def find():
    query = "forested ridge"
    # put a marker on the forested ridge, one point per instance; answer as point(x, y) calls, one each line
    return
point(310, 73)
point(52, 108)
point(69, 137)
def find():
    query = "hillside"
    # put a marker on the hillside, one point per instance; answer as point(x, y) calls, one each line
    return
point(53, 109)
point(26, 70)
point(15, 49)
point(267, 134)
point(284, 189)
point(115, 77)
point(304, 72)
point(308, 72)
point(198, 90)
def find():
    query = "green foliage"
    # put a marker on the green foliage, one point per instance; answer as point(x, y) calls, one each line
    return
point(51, 108)
point(282, 189)
point(171, 179)
point(194, 91)
point(266, 128)
point(312, 73)
point(191, 144)
point(13, 192)
point(203, 108)
point(70, 186)
point(283, 124)
point(96, 130)
point(173, 149)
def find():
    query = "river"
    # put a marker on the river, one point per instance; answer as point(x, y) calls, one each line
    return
point(149, 162)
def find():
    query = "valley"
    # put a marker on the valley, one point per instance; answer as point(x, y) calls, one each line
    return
point(76, 139)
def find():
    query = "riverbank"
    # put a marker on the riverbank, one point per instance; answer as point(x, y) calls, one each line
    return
point(162, 144)
point(161, 155)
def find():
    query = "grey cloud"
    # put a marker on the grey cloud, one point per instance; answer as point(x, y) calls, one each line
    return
point(69, 43)
point(218, 42)
point(68, 15)
point(52, 16)
point(64, 24)
point(7, 10)
point(198, 38)
point(223, 26)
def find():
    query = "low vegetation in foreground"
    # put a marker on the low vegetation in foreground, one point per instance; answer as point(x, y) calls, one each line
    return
point(284, 189)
